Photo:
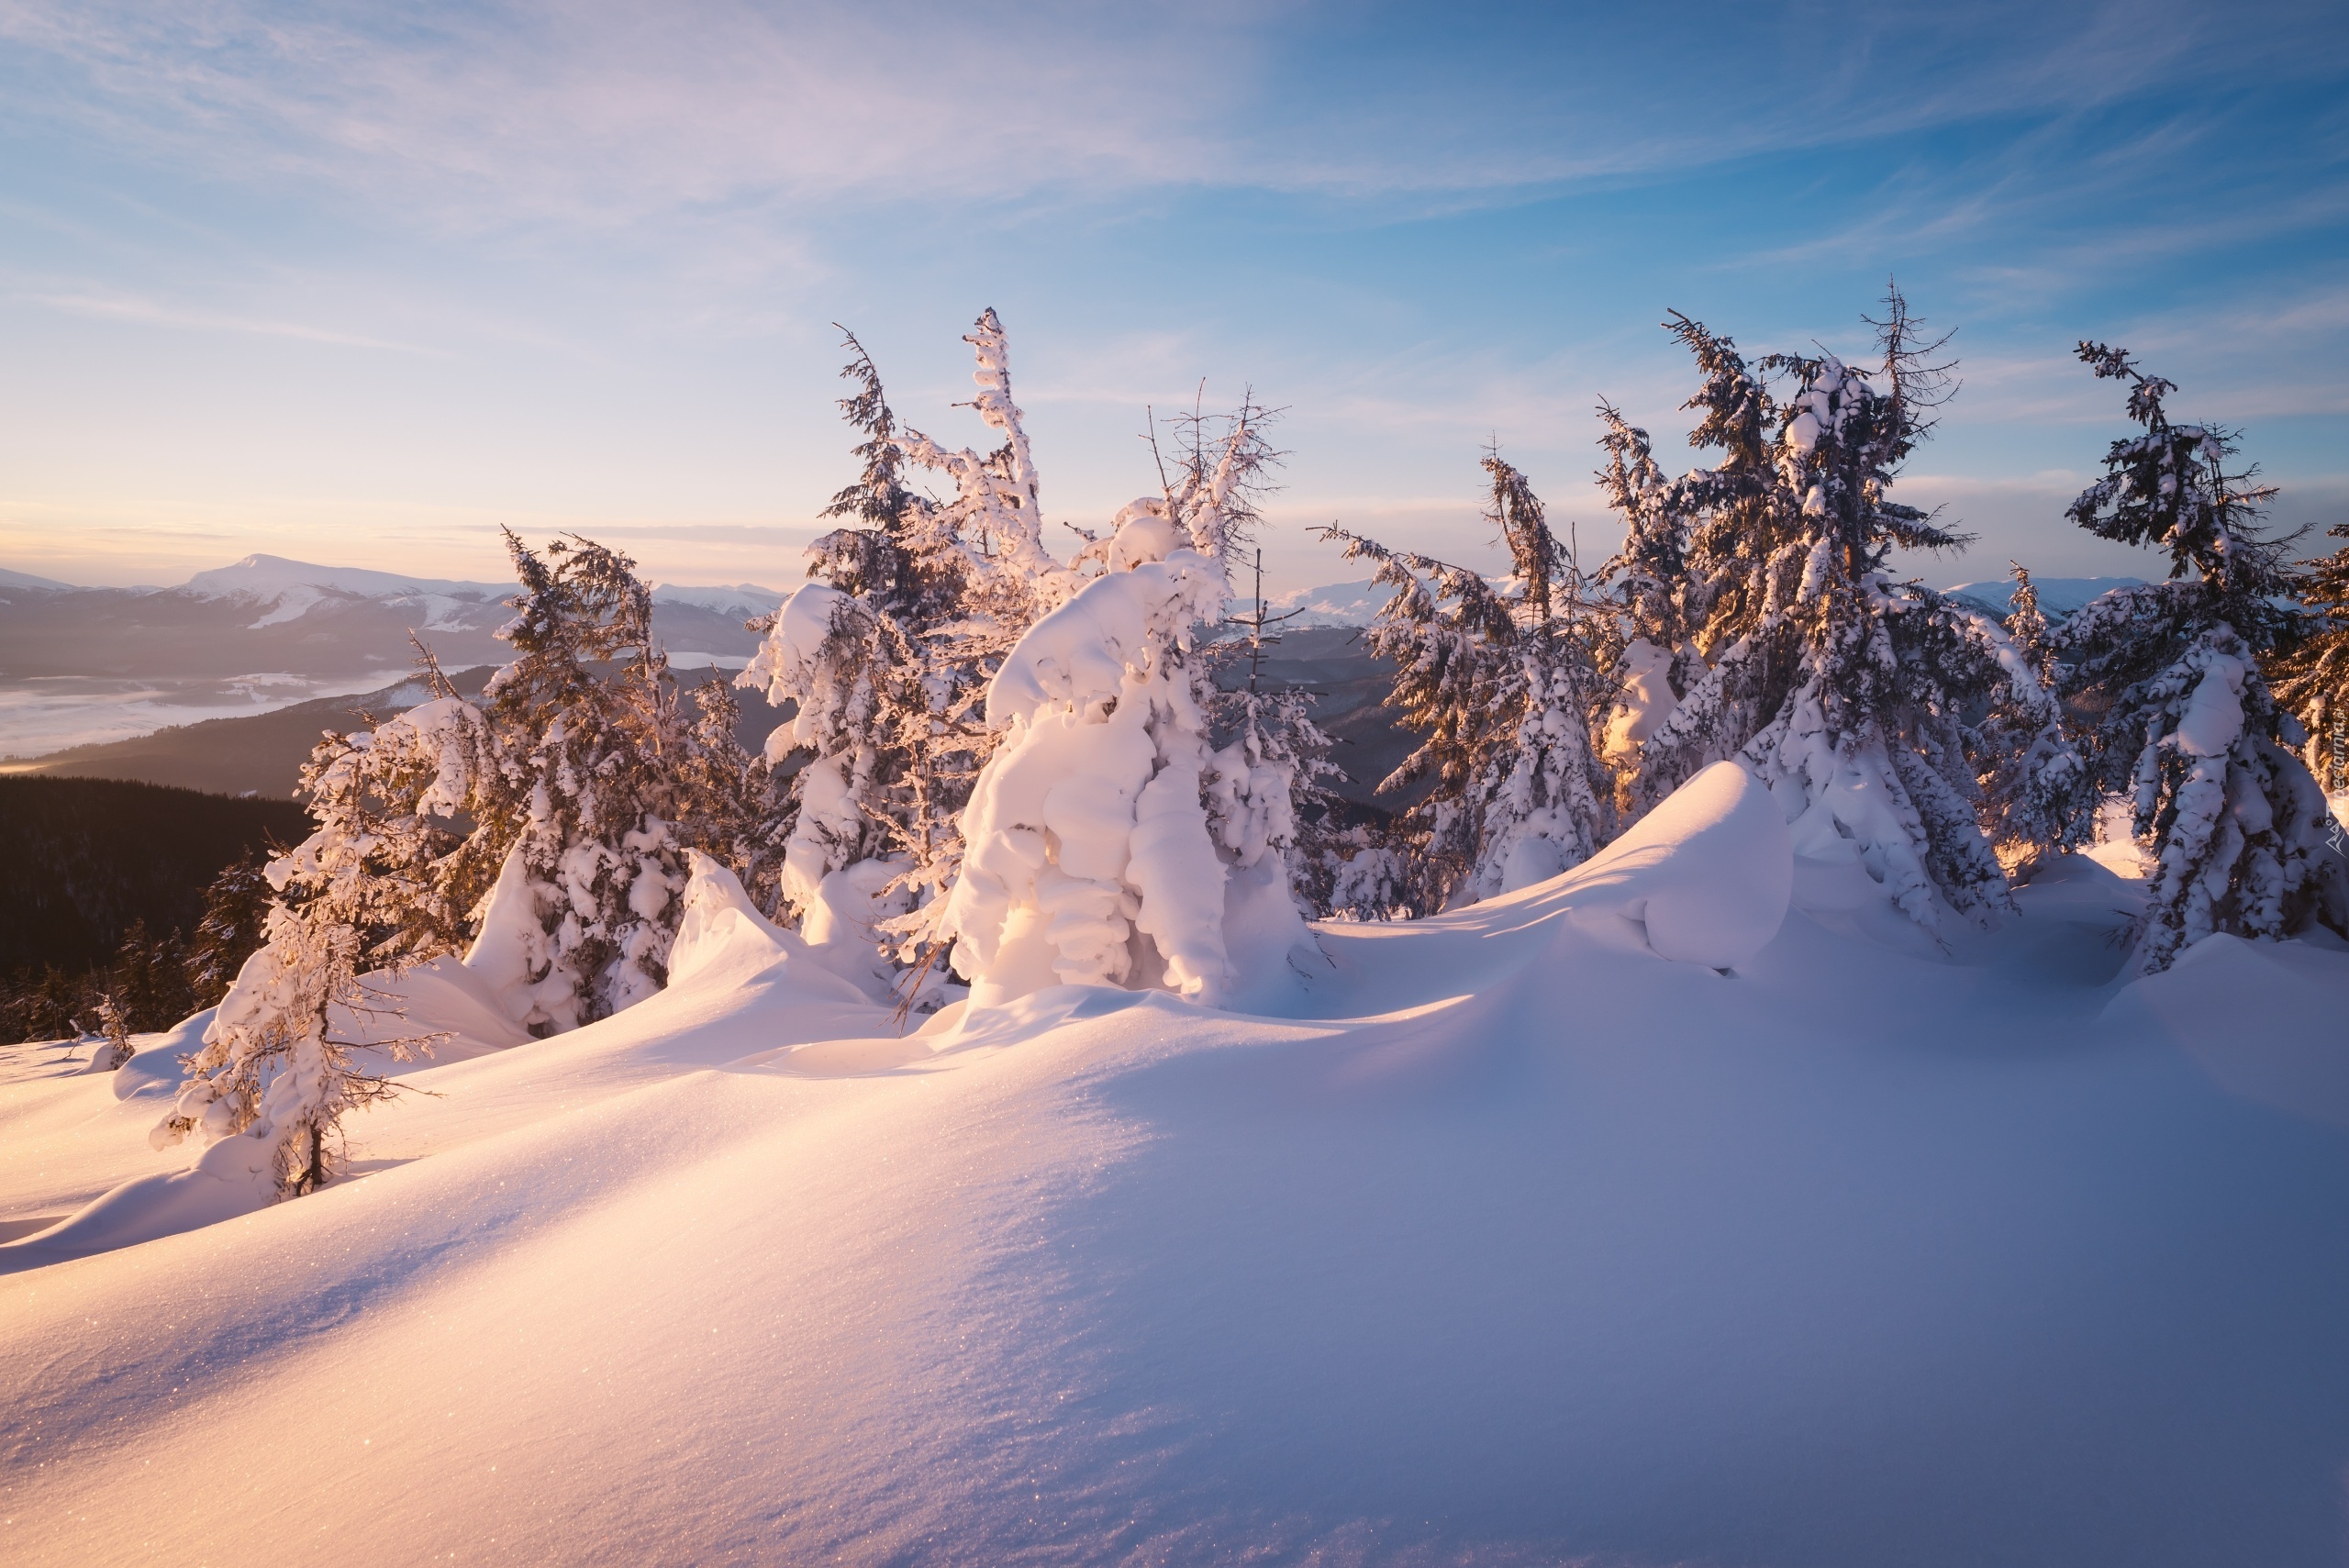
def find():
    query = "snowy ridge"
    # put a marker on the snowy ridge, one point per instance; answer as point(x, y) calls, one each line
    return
point(2058, 596)
point(1335, 604)
point(275, 577)
point(742, 600)
point(293, 588)
point(27, 580)
point(1507, 1228)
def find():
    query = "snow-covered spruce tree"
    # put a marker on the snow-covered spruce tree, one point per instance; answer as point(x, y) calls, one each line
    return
point(1110, 839)
point(1649, 580)
point(236, 911)
point(949, 667)
point(2311, 674)
point(866, 815)
point(1843, 690)
point(1694, 566)
point(990, 533)
point(875, 556)
point(1266, 755)
point(276, 1072)
point(890, 662)
point(384, 880)
point(2183, 721)
point(2039, 797)
point(729, 805)
point(1091, 857)
point(114, 1030)
point(1269, 743)
point(579, 921)
point(887, 663)
point(1504, 684)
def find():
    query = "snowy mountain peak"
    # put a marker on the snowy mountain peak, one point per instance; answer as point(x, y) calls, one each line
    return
point(27, 580)
point(742, 599)
point(272, 576)
point(1334, 604)
point(2058, 596)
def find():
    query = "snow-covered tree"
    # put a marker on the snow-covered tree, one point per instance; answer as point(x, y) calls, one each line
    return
point(2038, 795)
point(731, 805)
point(1052, 888)
point(385, 880)
point(895, 665)
point(2182, 720)
point(578, 923)
point(1268, 789)
point(877, 556)
point(1361, 873)
point(113, 1030)
point(886, 661)
point(1844, 689)
point(1504, 687)
point(1649, 580)
point(236, 911)
point(279, 1068)
point(408, 832)
point(1222, 469)
point(542, 831)
point(991, 532)
point(2311, 674)
point(885, 768)
point(1161, 843)
point(1111, 839)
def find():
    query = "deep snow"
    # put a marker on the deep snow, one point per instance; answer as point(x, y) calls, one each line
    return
point(1512, 1241)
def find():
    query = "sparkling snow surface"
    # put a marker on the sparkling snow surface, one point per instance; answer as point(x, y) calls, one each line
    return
point(1518, 1244)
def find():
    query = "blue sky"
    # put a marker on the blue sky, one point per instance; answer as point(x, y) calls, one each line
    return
point(359, 283)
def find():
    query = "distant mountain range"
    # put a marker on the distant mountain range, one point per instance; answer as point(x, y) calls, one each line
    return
point(2058, 596)
point(83, 665)
point(266, 612)
point(1334, 604)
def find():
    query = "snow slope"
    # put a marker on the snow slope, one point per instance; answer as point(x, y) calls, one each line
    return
point(1514, 1242)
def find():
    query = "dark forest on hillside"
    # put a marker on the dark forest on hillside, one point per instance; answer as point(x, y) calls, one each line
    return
point(106, 887)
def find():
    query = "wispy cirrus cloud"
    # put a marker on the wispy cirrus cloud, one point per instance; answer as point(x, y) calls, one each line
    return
point(602, 113)
point(108, 307)
point(599, 114)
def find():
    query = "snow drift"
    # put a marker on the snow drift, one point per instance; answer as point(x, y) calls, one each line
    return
point(1705, 876)
point(1531, 1239)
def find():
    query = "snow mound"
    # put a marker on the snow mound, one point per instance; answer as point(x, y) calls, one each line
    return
point(457, 1014)
point(1705, 876)
point(2264, 1019)
point(723, 940)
